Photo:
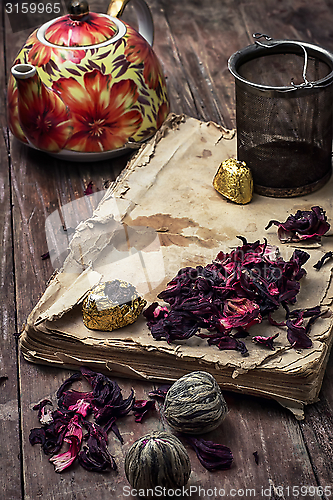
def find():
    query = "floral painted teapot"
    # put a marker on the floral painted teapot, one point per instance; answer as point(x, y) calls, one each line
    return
point(87, 86)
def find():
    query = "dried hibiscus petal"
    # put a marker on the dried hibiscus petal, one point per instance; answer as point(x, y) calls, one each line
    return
point(235, 291)
point(240, 312)
point(213, 456)
point(107, 415)
point(160, 392)
point(225, 342)
point(76, 401)
point(141, 408)
point(73, 436)
point(37, 436)
point(63, 460)
point(321, 262)
point(65, 424)
point(95, 455)
point(44, 414)
point(297, 336)
point(304, 225)
point(266, 341)
point(105, 401)
point(54, 432)
point(67, 383)
point(89, 189)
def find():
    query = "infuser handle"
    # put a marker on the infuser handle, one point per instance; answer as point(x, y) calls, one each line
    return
point(142, 11)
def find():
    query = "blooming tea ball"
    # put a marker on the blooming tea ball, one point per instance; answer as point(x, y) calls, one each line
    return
point(157, 459)
point(194, 404)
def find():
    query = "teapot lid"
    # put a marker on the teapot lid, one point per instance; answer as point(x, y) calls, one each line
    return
point(80, 28)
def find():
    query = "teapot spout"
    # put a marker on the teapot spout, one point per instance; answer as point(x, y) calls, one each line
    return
point(43, 116)
point(23, 71)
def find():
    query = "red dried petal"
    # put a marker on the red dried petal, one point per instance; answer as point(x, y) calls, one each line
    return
point(141, 408)
point(304, 225)
point(213, 456)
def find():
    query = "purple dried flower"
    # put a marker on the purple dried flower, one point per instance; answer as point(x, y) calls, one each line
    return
point(63, 460)
point(141, 408)
point(67, 383)
point(160, 392)
point(64, 425)
point(225, 342)
point(89, 189)
point(297, 336)
point(321, 262)
point(213, 456)
point(37, 436)
point(72, 400)
point(304, 225)
point(297, 333)
point(235, 291)
point(107, 401)
point(118, 407)
point(95, 455)
point(240, 312)
point(51, 435)
point(266, 341)
point(73, 437)
point(44, 414)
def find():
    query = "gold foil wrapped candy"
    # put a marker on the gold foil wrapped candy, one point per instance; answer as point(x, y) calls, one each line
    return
point(112, 305)
point(234, 181)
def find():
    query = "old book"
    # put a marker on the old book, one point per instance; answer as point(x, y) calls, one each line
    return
point(163, 214)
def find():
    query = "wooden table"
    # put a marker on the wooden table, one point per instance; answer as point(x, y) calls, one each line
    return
point(193, 40)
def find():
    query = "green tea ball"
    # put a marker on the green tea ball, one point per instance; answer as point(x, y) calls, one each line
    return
point(157, 459)
point(194, 404)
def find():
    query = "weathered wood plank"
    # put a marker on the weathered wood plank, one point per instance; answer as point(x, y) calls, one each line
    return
point(317, 430)
point(205, 36)
point(310, 22)
point(193, 41)
point(298, 20)
point(10, 467)
point(42, 185)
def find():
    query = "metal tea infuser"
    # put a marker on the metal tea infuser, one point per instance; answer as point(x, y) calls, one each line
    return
point(284, 97)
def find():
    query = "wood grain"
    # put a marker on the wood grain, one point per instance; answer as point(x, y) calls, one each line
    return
point(309, 22)
point(193, 40)
point(10, 464)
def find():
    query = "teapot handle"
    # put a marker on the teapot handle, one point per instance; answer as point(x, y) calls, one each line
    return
point(142, 11)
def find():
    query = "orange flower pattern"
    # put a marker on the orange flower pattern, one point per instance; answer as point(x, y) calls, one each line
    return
point(40, 54)
point(109, 94)
point(91, 30)
point(101, 111)
point(43, 116)
point(12, 112)
point(138, 51)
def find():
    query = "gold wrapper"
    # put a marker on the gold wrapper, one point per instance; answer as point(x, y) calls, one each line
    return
point(112, 305)
point(234, 181)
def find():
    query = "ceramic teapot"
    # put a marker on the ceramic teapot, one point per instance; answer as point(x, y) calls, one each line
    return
point(87, 86)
